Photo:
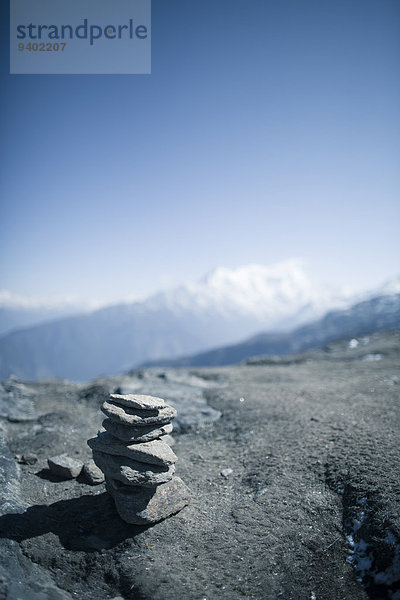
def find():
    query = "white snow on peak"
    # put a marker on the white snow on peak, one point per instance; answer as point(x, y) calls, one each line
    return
point(270, 295)
point(257, 288)
point(247, 299)
point(391, 286)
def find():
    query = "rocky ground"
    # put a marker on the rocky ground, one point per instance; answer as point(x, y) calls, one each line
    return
point(292, 467)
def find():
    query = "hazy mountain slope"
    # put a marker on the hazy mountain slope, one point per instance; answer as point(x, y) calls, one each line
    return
point(370, 316)
point(12, 319)
point(20, 312)
point(222, 308)
point(106, 341)
point(17, 318)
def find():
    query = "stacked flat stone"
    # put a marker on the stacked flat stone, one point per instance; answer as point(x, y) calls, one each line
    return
point(137, 463)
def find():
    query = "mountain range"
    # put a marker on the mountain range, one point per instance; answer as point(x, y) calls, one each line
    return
point(223, 308)
point(370, 316)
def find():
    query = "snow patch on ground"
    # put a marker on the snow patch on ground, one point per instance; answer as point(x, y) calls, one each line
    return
point(362, 554)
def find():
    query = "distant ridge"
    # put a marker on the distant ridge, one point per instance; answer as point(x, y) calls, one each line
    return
point(367, 317)
point(224, 307)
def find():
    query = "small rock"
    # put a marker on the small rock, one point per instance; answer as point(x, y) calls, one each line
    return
point(64, 466)
point(92, 473)
point(28, 459)
point(195, 416)
point(260, 493)
point(226, 472)
point(17, 401)
point(95, 393)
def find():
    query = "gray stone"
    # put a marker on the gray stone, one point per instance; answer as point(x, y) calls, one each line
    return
point(92, 473)
point(155, 452)
point(64, 466)
point(136, 417)
point(226, 472)
point(17, 402)
point(141, 506)
point(140, 401)
point(196, 414)
point(136, 434)
point(27, 459)
point(131, 472)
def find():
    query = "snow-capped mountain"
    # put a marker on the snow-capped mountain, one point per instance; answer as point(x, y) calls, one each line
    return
point(276, 296)
point(379, 313)
point(226, 306)
point(392, 286)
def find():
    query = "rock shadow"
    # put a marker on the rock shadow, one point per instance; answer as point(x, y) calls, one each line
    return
point(87, 523)
point(49, 476)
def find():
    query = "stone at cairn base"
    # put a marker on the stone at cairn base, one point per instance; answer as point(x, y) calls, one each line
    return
point(143, 506)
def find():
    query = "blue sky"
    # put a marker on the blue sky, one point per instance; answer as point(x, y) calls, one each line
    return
point(268, 129)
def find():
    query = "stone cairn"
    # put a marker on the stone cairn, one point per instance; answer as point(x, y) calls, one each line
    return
point(137, 463)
